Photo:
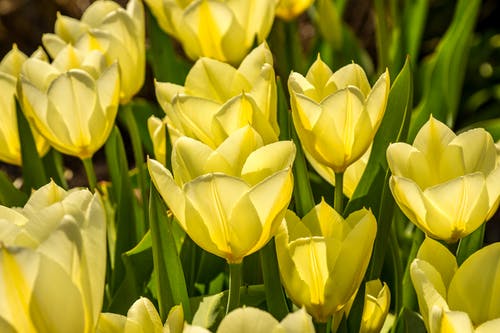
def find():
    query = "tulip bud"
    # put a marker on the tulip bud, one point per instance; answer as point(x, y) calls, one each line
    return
point(322, 258)
point(336, 115)
point(10, 151)
point(52, 257)
point(447, 185)
point(117, 32)
point(459, 299)
point(222, 30)
point(76, 82)
point(218, 99)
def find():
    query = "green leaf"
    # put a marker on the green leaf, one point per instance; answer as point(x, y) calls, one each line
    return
point(356, 313)
point(171, 284)
point(210, 311)
point(409, 322)
point(470, 244)
point(53, 163)
point(10, 196)
point(444, 73)
point(34, 175)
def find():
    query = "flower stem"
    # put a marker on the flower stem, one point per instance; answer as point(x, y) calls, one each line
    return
point(89, 170)
point(233, 300)
point(338, 200)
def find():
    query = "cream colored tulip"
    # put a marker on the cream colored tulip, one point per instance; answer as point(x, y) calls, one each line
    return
point(337, 115)
point(117, 32)
point(254, 320)
point(322, 258)
point(10, 66)
point(223, 30)
point(52, 258)
point(290, 9)
point(447, 185)
point(377, 303)
point(241, 155)
point(224, 214)
point(452, 297)
point(73, 101)
point(218, 99)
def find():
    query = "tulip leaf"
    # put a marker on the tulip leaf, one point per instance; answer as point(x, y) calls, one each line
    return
point(444, 73)
point(53, 163)
point(10, 196)
point(166, 63)
point(34, 175)
point(470, 244)
point(126, 233)
point(409, 322)
point(283, 111)
point(171, 283)
point(356, 313)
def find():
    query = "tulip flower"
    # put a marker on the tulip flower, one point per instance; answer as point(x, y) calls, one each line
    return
point(117, 32)
point(290, 9)
point(52, 257)
point(10, 66)
point(223, 30)
point(457, 299)
point(224, 214)
point(253, 320)
point(377, 302)
point(241, 155)
point(73, 101)
point(323, 258)
point(218, 99)
point(447, 185)
point(336, 115)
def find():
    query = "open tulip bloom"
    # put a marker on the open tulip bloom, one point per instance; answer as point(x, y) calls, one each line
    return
point(446, 184)
point(458, 299)
point(217, 99)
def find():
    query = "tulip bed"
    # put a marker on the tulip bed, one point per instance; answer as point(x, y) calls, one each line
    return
point(277, 183)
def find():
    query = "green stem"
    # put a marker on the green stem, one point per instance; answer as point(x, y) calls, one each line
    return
point(398, 270)
point(321, 327)
point(233, 300)
point(129, 120)
point(338, 200)
point(89, 170)
point(470, 244)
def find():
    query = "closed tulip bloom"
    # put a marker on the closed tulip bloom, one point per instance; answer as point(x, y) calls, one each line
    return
point(10, 66)
point(254, 320)
point(290, 9)
point(323, 258)
point(73, 101)
point(117, 32)
point(447, 185)
point(52, 257)
point(223, 214)
point(336, 115)
point(218, 99)
point(377, 303)
point(457, 299)
point(223, 30)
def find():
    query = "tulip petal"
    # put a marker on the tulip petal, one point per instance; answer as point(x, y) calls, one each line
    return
point(479, 152)
point(432, 139)
point(476, 293)
point(410, 200)
point(168, 189)
point(376, 100)
point(456, 322)
point(98, 11)
point(251, 66)
point(298, 322)
point(457, 207)
point(166, 91)
point(247, 320)
point(145, 315)
point(351, 75)
point(440, 257)
point(111, 323)
point(491, 326)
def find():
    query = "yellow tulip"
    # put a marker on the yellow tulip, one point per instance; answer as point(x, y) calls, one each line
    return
point(223, 214)
point(457, 299)
point(336, 115)
point(241, 155)
point(447, 185)
point(10, 66)
point(223, 30)
point(117, 32)
point(218, 99)
point(322, 258)
point(377, 302)
point(254, 320)
point(290, 9)
point(157, 129)
point(52, 262)
point(73, 101)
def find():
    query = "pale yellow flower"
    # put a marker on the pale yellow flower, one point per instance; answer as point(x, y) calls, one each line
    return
point(447, 185)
